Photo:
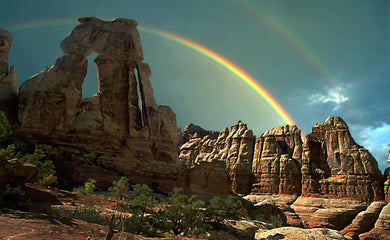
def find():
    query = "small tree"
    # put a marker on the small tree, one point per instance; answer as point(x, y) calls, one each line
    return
point(183, 215)
point(7, 154)
point(120, 187)
point(220, 209)
point(89, 186)
point(141, 205)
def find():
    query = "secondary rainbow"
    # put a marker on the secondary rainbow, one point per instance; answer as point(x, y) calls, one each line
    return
point(197, 47)
point(312, 59)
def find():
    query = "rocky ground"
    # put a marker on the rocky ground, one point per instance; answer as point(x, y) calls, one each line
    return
point(31, 224)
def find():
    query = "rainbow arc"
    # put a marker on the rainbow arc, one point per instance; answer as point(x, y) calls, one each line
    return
point(197, 47)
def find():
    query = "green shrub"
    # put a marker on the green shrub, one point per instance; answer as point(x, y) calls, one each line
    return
point(13, 197)
point(145, 225)
point(141, 200)
point(49, 210)
point(276, 220)
point(120, 187)
point(5, 127)
point(7, 154)
point(87, 214)
point(183, 215)
point(38, 158)
point(220, 209)
point(89, 186)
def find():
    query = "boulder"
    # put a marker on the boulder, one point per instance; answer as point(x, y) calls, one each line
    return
point(334, 166)
point(242, 229)
point(293, 233)
point(381, 230)
point(282, 202)
point(16, 173)
point(330, 213)
point(364, 221)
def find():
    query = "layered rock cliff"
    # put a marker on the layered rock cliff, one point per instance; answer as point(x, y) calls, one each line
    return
point(115, 132)
point(8, 84)
point(230, 153)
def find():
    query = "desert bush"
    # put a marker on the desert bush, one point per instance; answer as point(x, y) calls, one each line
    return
point(276, 220)
point(144, 220)
point(7, 154)
point(5, 127)
point(49, 210)
point(120, 187)
point(183, 214)
point(220, 209)
point(88, 214)
point(13, 197)
point(46, 166)
point(89, 186)
point(38, 157)
point(141, 200)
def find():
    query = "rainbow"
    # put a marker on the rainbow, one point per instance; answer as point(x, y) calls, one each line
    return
point(296, 44)
point(227, 64)
point(219, 59)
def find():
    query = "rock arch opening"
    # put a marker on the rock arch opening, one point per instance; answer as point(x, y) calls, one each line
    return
point(90, 85)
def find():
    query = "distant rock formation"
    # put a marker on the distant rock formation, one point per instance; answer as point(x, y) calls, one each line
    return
point(230, 153)
point(115, 132)
point(8, 84)
point(277, 161)
point(334, 166)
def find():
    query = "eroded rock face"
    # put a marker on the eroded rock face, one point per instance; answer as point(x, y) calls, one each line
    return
point(277, 161)
point(333, 165)
point(116, 132)
point(330, 213)
point(231, 152)
point(382, 226)
point(8, 84)
point(364, 221)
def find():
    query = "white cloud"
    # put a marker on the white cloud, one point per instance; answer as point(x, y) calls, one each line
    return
point(334, 95)
point(375, 139)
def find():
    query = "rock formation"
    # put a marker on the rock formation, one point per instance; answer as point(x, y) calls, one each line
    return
point(230, 152)
point(16, 173)
point(293, 233)
point(334, 166)
point(8, 85)
point(117, 131)
point(277, 161)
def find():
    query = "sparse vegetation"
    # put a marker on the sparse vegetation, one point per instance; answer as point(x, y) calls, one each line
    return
point(38, 157)
point(88, 214)
point(276, 220)
point(5, 127)
point(220, 208)
point(183, 214)
point(120, 187)
point(89, 186)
